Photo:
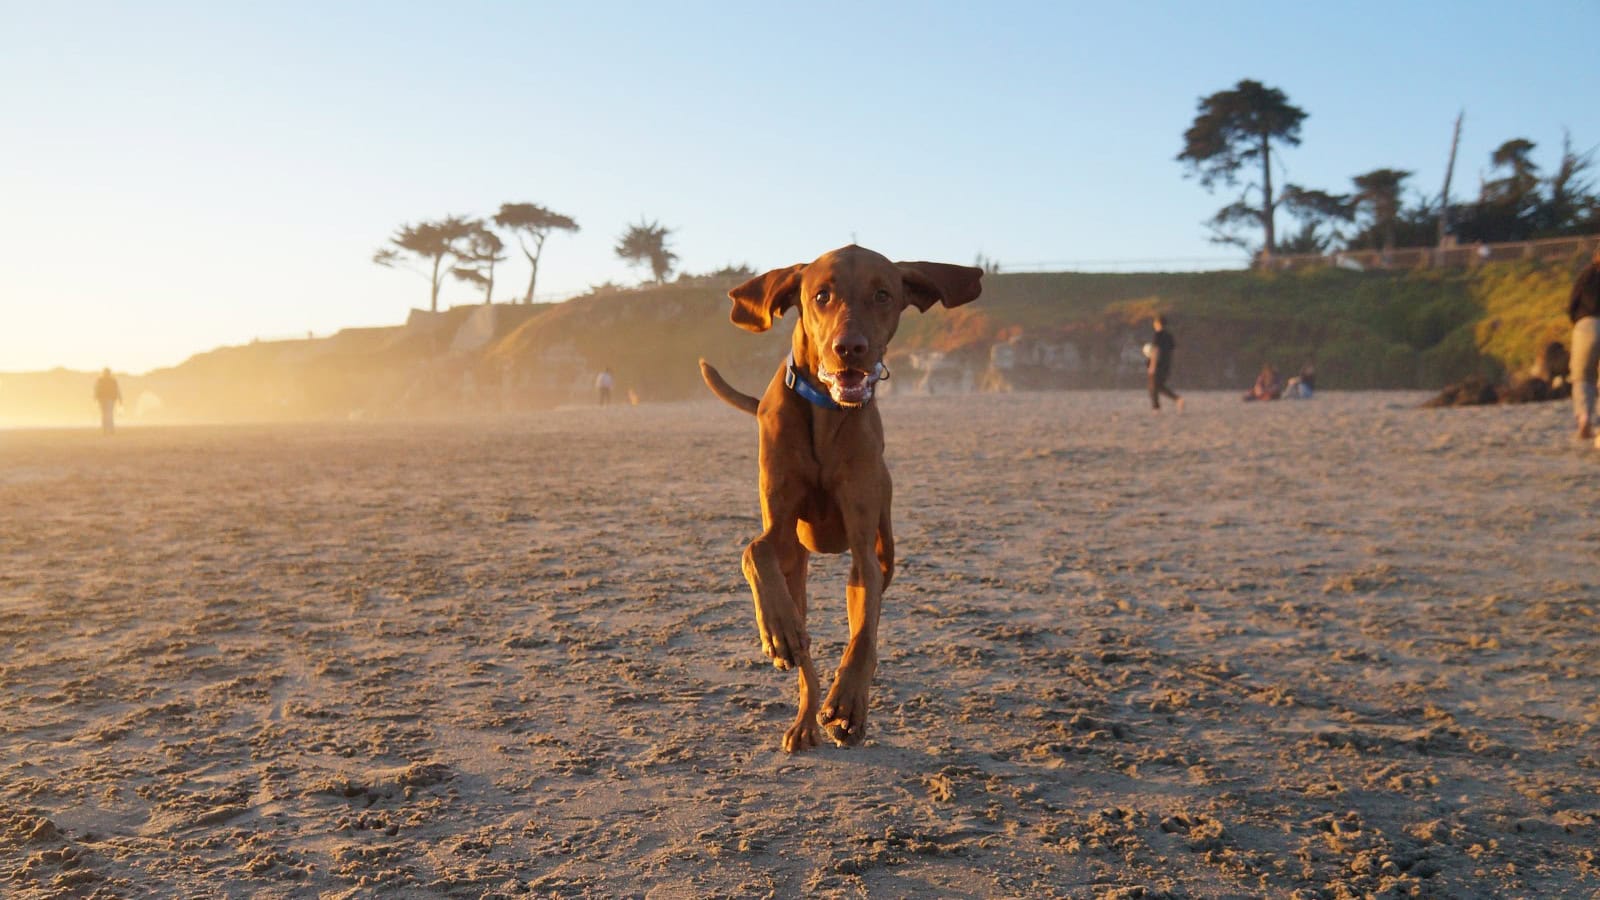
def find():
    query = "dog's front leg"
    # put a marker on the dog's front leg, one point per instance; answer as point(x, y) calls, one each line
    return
point(844, 713)
point(802, 734)
point(776, 570)
point(778, 619)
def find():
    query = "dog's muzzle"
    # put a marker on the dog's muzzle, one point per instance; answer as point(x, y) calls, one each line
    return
point(851, 388)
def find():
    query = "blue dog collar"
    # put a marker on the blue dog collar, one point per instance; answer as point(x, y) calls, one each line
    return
point(796, 382)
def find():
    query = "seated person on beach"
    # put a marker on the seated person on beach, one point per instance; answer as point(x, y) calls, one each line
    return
point(1300, 387)
point(1267, 386)
point(1548, 378)
point(1554, 367)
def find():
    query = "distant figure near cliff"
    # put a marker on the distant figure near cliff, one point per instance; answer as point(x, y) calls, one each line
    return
point(602, 385)
point(109, 396)
point(1159, 368)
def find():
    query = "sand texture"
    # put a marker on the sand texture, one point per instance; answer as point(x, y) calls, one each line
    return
point(1329, 649)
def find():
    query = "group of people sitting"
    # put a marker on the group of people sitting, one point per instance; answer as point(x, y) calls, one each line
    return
point(1269, 386)
point(1549, 378)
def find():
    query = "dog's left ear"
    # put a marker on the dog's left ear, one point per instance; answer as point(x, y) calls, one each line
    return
point(764, 298)
point(928, 283)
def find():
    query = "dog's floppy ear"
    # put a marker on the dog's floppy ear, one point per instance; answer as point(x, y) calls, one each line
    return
point(763, 298)
point(928, 283)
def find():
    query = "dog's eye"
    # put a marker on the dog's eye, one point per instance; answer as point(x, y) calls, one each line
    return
point(882, 296)
point(823, 296)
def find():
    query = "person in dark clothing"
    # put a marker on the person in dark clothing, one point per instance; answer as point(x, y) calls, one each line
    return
point(1583, 308)
point(1160, 367)
point(108, 395)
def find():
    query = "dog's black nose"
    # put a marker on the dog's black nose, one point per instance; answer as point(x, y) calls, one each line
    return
point(850, 347)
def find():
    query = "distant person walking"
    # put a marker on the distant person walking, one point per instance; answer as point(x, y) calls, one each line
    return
point(602, 386)
point(1584, 311)
point(1160, 365)
point(109, 396)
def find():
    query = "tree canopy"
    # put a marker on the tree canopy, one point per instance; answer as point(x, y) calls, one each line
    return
point(1321, 215)
point(1571, 196)
point(482, 252)
point(646, 244)
point(532, 222)
point(1377, 198)
point(1518, 204)
point(1232, 130)
point(1232, 140)
point(430, 242)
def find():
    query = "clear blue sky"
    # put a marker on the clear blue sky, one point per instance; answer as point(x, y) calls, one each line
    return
point(178, 176)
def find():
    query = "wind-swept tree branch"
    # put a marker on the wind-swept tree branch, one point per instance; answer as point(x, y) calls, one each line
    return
point(530, 221)
point(431, 243)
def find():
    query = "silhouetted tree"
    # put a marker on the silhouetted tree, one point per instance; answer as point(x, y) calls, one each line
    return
point(1315, 210)
point(483, 250)
point(1310, 239)
point(1569, 204)
point(1235, 128)
point(532, 222)
point(1417, 225)
point(1519, 187)
point(431, 243)
point(1377, 199)
point(646, 244)
point(1512, 207)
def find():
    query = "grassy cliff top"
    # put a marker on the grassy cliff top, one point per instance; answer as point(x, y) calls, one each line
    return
point(1411, 329)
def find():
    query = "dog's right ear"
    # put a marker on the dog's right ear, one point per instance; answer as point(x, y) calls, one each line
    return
point(763, 298)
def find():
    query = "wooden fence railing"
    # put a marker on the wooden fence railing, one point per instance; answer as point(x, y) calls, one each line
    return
point(1458, 257)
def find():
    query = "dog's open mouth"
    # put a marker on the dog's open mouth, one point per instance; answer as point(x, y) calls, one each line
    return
point(852, 387)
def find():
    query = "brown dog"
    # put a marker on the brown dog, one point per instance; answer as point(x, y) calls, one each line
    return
point(824, 485)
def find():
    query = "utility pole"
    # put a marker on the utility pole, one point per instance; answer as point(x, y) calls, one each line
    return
point(1449, 169)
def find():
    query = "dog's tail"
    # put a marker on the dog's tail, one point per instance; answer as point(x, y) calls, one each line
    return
point(729, 394)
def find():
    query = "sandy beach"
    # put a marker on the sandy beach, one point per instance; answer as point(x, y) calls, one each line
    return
point(1338, 648)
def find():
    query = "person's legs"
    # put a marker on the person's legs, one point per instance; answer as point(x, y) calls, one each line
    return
point(1160, 387)
point(1155, 392)
point(107, 418)
point(1585, 367)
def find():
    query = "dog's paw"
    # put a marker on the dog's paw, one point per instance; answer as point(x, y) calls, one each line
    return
point(784, 643)
point(844, 737)
point(802, 735)
point(844, 713)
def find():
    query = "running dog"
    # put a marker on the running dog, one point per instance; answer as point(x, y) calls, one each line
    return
point(824, 485)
